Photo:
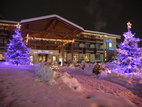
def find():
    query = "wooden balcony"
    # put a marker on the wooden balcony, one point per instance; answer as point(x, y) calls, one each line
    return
point(81, 49)
point(86, 40)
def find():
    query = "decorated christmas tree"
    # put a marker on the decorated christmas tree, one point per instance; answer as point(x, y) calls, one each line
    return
point(17, 52)
point(130, 56)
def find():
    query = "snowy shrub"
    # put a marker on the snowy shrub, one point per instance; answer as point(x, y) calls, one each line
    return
point(52, 75)
point(97, 68)
point(104, 71)
point(75, 65)
point(45, 72)
point(82, 64)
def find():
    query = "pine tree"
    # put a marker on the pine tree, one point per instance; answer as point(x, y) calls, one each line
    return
point(130, 56)
point(17, 52)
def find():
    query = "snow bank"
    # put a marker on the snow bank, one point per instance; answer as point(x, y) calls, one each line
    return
point(131, 81)
point(23, 89)
point(89, 69)
point(52, 75)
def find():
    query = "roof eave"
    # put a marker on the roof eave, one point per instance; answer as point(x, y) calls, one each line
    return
point(96, 32)
point(51, 16)
point(9, 21)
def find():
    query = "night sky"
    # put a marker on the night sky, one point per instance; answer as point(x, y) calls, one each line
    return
point(108, 16)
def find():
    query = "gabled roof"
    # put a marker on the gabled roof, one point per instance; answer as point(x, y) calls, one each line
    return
point(51, 16)
point(96, 32)
point(61, 18)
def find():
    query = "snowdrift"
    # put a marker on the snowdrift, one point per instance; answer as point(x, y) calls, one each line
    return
point(52, 75)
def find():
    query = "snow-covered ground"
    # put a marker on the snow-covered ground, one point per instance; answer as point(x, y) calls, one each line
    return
point(21, 88)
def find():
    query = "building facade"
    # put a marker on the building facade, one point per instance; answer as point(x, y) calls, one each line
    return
point(6, 29)
point(56, 38)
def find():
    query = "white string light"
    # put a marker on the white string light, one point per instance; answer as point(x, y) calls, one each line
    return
point(3, 24)
point(45, 39)
point(27, 39)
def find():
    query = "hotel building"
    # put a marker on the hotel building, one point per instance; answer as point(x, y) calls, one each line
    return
point(58, 39)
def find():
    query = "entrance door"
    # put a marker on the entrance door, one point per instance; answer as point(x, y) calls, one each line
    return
point(42, 57)
point(54, 58)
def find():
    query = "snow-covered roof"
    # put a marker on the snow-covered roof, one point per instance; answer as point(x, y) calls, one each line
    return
point(59, 17)
point(9, 21)
point(50, 16)
point(89, 31)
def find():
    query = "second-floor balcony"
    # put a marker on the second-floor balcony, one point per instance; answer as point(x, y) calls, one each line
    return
point(89, 40)
point(82, 49)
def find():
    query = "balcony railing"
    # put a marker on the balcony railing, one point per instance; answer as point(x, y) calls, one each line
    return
point(90, 40)
point(87, 49)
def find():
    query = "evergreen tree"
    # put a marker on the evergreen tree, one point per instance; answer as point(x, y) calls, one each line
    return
point(17, 52)
point(130, 56)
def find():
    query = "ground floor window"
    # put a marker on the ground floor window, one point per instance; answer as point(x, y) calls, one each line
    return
point(42, 57)
point(76, 57)
point(87, 57)
point(1, 56)
point(54, 58)
point(31, 58)
point(97, 57)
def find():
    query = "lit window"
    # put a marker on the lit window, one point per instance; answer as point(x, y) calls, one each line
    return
point(110, 45)
point(44, 58)
point(1, 56)
point(87, 57)
point(40, 58)
point(54, 58)
point(31, 59)
point(76, 57)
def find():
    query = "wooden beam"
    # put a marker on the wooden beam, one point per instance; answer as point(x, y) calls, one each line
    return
point(57, 34)
point(50, 27)
point(72, 51)
point(62, 54)
point(49, 31)
point(49, 24)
